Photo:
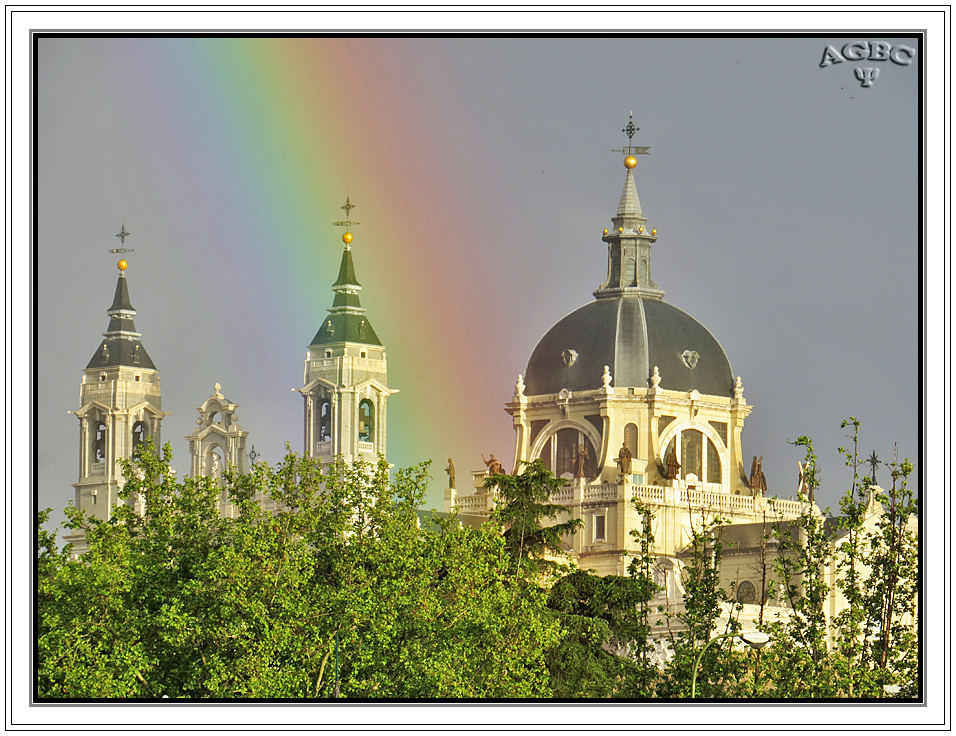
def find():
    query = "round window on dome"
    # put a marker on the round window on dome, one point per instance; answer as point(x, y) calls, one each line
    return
point(690, 358)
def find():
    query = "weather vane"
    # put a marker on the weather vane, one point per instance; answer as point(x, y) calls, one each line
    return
point(630, 130)
point(347, 222)
point(122, 235)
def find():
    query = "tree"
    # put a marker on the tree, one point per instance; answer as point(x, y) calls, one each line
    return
point(871, 553)
point(892, 585)
point(335, 590)
point(603, 624)
point(525, 502)
point(704, 602)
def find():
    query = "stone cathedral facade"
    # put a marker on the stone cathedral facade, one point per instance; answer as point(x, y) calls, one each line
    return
point(628, 397)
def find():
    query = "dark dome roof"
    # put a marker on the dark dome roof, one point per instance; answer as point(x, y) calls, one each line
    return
point(630, 335)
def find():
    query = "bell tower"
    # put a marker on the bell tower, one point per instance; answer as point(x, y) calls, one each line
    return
point(346, 377)
point(120, 407)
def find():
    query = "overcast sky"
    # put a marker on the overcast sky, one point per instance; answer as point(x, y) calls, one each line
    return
point(785, 195)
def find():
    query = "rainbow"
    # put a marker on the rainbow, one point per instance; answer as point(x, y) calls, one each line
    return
point(279, 130)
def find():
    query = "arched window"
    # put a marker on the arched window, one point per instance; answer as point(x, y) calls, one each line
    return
point(99, 442)
point(643, 269)
point(630, 439)
point(713, 463)
point(629, 272)
point(366, 428)
point(325, 420)
point(140, 433)
point(615, 269)
point(569, 452)
point(691, 461)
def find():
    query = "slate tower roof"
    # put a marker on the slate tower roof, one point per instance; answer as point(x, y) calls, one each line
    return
point(347, 321)
point(121, 344)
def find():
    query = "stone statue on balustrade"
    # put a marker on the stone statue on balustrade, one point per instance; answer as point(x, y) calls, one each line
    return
point(757, 480)
point(579, 468)
point(494, 467)
point(672, 466)
point(624, 458)
point(451, 473)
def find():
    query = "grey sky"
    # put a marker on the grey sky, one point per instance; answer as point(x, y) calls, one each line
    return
point(786, 196)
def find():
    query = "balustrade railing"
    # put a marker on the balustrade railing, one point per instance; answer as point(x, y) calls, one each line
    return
point(653, 494)
point(658, 495)
point(785, 507)
point(563, 496)
point(603, 492)
point(472, 504)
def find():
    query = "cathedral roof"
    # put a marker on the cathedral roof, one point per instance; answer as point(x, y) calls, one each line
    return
point(629, 327)
point(347, 321)
point(345, 328)
point(121, 344)
point(631, 335)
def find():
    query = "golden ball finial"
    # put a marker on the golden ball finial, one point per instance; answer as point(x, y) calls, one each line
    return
point(605, 231)
point(640, 229)
point(620, 229)
point(121, 264)
point(630, 162)
point(654, 231)
point(347, 238)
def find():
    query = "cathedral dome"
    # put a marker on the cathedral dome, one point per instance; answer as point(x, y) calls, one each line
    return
point(629, 328)
point(631, 335)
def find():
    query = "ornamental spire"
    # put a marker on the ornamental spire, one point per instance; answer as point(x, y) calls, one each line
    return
point(121, 345)
point(629, 241)
point(347, 321)
point(121, 264)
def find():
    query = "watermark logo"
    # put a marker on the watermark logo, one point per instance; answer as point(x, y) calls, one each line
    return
point(867, 75)
point(870, 51)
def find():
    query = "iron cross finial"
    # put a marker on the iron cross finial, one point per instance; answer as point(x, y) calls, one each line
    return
point(122, 235)
point(348, 207)
point(630, 129)
point(873, 460)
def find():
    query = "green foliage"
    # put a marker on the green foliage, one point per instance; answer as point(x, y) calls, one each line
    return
point(798, 664)
point(870, 554)
point(704, 601)
point(184, 603)
point(323, 581)
point(600, 616)
point(524, 503)
point(892, 555)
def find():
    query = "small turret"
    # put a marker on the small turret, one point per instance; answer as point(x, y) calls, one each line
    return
point(629, 240)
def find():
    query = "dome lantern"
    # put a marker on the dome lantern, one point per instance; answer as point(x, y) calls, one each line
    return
point(629, 240)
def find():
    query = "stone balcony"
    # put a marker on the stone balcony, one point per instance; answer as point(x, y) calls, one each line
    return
point(673, 496)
